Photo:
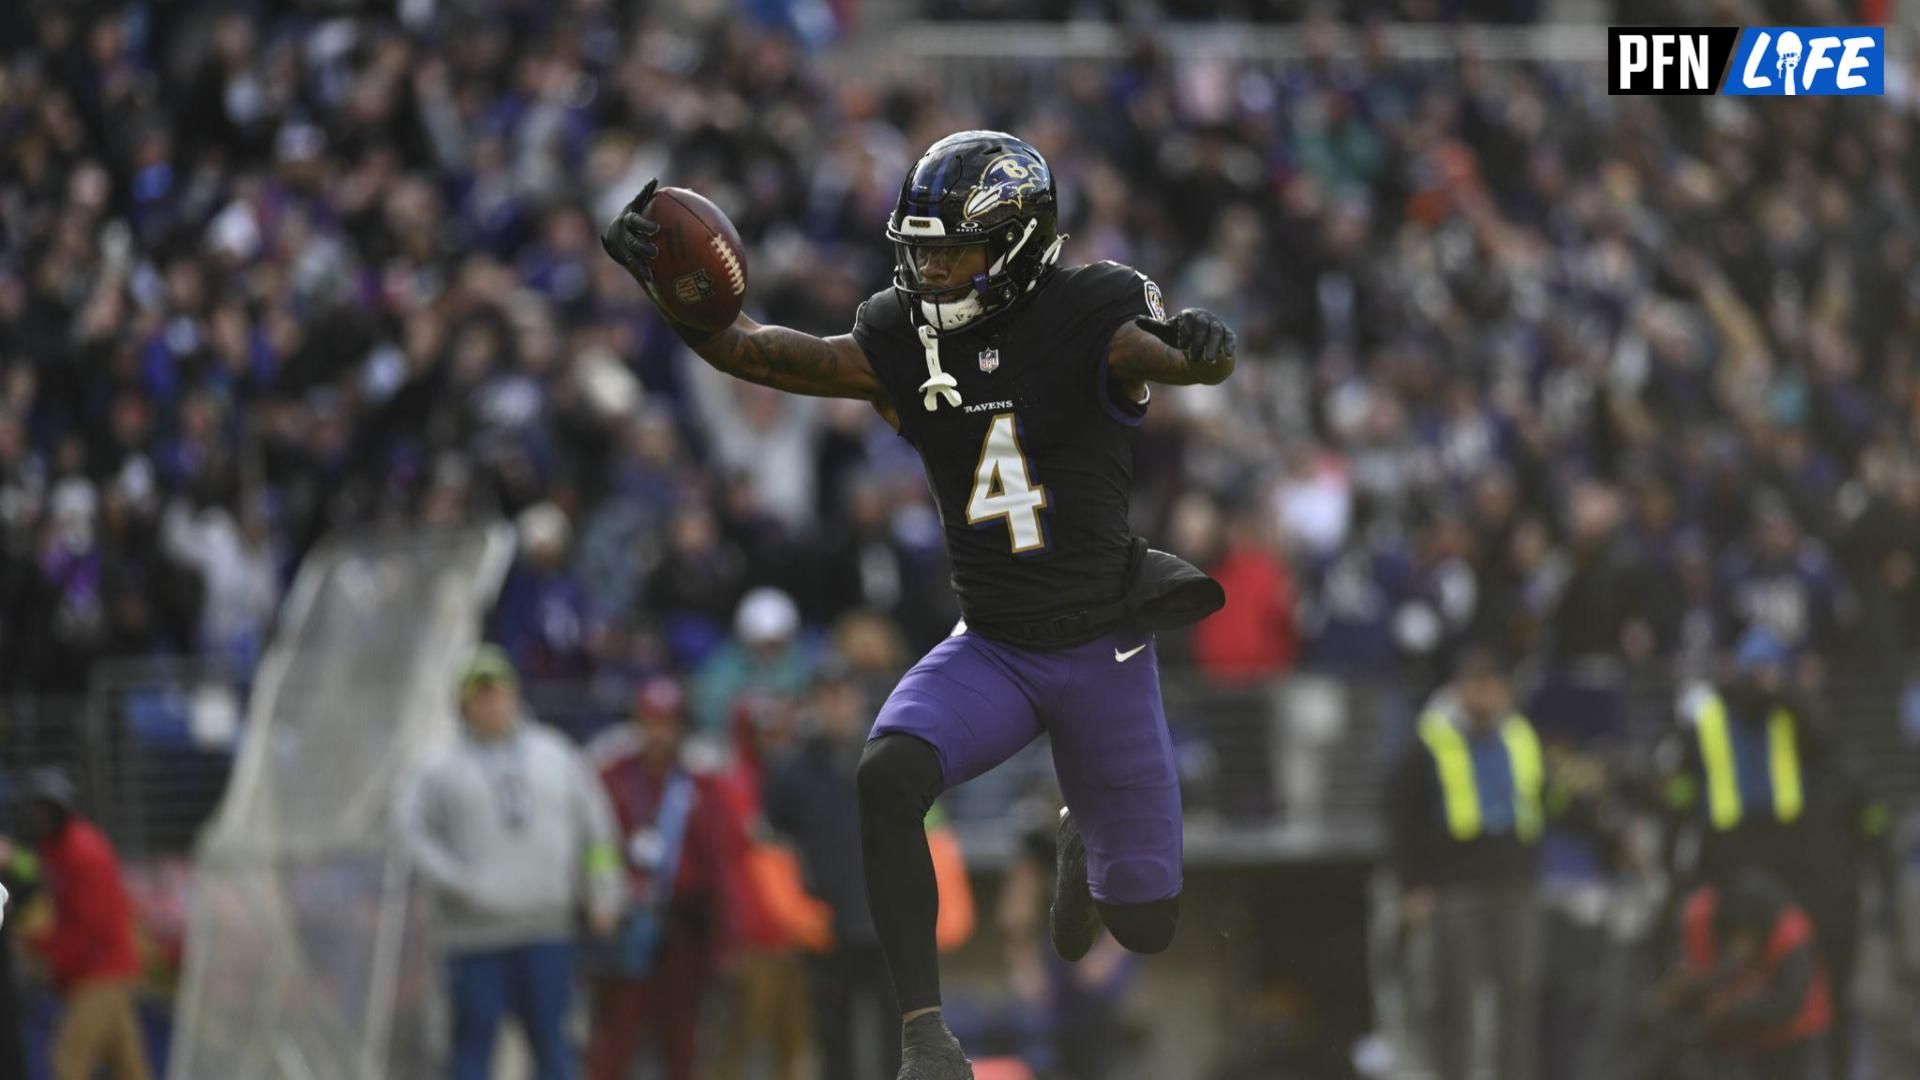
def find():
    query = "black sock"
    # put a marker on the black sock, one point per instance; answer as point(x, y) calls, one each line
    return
point(899, 778)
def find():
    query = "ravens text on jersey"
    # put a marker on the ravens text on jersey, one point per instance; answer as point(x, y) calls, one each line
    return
point(1032, 470)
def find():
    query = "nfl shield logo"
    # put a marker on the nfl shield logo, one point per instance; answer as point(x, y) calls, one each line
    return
point(989, 359)
point(692, 288)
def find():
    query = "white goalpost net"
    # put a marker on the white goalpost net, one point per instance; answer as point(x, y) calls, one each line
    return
point(305, 956)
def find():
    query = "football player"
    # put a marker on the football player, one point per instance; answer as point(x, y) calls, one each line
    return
point(1021, 383)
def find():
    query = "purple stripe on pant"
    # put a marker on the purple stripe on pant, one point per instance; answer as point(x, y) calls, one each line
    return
point(978, 702)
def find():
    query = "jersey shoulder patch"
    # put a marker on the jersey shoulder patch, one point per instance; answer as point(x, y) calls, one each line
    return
point(1156, 304)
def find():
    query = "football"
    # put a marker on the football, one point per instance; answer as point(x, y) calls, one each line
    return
point(700, 275)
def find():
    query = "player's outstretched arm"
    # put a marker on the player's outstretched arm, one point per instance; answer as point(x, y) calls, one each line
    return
point(789, 360)
point(769, 355)
point(1194, 346)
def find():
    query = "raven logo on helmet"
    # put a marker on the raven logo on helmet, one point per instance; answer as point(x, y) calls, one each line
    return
point(1008, 178)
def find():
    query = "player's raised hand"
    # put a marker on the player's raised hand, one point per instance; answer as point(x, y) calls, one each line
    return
point(1207, 341)
point(628, 239)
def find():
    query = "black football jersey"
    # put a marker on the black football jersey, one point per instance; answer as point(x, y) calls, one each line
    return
point(1032, 471)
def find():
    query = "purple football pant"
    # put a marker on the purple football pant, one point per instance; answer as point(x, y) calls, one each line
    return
point(978, 702)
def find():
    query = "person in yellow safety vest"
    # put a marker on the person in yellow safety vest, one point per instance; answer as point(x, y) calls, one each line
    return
point(1465, 811)
point(1761, 788)
point(1745, 754)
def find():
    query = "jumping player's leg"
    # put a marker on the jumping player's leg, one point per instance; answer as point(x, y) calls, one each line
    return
point(1114, 758)
point(899, 777)
point(966, 707)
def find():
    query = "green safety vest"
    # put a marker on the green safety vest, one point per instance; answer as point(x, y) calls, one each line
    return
point(1715, 732)
point(1459, 790)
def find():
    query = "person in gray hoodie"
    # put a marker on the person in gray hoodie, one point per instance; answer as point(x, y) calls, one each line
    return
point(511, 831)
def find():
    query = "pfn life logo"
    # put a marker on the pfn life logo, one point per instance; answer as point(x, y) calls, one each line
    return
point(1810, 60)
point(1784, 61)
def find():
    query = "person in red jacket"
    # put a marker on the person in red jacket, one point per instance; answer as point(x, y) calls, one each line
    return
point(1255, 635)
point(88, 945)
point(1752, 984)
point(679, 837)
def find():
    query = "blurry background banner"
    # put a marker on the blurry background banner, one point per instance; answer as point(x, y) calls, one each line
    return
point(306, 956)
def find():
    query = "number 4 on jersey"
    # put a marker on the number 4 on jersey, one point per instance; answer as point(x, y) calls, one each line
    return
point(1002, 487)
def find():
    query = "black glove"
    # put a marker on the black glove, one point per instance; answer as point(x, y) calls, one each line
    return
point(1207, 341)
point(628, 237)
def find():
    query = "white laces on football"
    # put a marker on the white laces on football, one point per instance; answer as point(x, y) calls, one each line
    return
point(939, 384)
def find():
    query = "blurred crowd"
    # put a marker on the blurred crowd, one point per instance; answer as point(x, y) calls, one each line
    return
point(1249, 11)
point(1609, 380)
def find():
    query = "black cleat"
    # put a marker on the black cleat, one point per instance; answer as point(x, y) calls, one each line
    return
point(1073, 921)
point(928, 1051)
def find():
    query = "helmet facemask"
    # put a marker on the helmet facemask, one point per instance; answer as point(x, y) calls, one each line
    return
point(947, 277)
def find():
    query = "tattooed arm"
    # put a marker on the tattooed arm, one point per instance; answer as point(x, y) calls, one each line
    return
point(1192, 347)
point(792, 361)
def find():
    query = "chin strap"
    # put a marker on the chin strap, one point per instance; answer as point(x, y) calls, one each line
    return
point(1047, 258)
point(939, 384)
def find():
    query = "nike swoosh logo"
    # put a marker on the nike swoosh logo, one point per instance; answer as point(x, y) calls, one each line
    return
point(1122, 657)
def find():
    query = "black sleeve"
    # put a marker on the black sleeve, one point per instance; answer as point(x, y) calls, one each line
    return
point(1110, 296)
point(1410, 795)
point(881, 330)
point(1813, 732)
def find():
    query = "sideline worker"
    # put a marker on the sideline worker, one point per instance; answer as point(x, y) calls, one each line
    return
point(1465, 815)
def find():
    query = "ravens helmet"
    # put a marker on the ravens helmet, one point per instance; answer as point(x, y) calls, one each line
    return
point(974, 229)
